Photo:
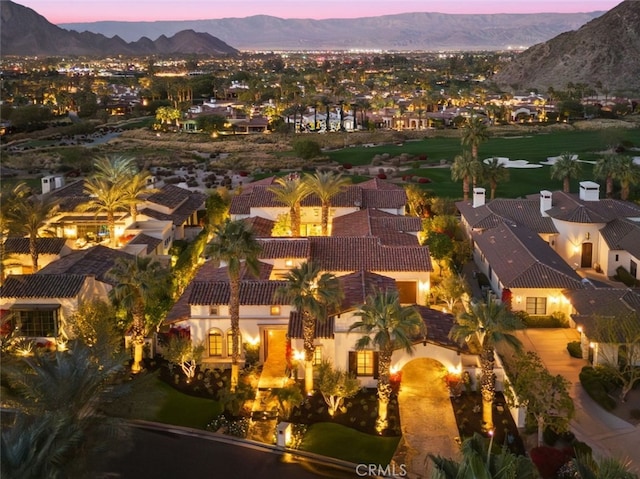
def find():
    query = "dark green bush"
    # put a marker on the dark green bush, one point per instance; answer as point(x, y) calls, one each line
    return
point(596, 386)
point(307, 149)
point(555, 320)
point(624, 276)
point(575, 349)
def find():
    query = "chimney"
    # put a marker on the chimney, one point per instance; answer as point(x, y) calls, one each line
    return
point(478, 197)
point(589, 191)
point(545, 202)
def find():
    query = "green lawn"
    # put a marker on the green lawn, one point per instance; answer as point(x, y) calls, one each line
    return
point(150, 399)
point(534, 147)
point(588, 145)
point(344, 443)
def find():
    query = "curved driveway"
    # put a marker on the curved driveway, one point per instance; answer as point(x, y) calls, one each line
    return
point(427, 417)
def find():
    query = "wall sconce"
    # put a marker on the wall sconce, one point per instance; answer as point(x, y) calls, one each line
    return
point(518, 299)
point(579, 329)
point(587, 236)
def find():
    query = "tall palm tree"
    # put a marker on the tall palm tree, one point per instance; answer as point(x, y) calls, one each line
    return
point(30, 216)
point(105, 197)
point(566, 168)
point(491, 324)
point(9, 222)
point(139, 282)
point(493, 173)
point(606, 468)
point(605, 169)
point(59, 424)
point(627, 173)
point(291, 191)
point(313, 294)
point(123, 171)
point(326, 185)
point(466, 168)
point(387, 326)
point(235, 243)
point(474, 132)
point(479, 462)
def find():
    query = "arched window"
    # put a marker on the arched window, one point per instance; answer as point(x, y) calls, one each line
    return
point(215, 342)
point(230, 343)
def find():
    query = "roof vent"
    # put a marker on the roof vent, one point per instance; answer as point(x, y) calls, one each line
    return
point(589, 191)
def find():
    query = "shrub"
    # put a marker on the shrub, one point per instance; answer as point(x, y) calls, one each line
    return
point(548, 460)
point(596, 387)
point(424, 180)
point(624, 276)
point(307, 149)
point(555, 320)
point(575, 349)
point(382, 176)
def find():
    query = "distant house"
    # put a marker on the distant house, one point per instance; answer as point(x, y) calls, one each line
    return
point(18, 259)
point(38, 306)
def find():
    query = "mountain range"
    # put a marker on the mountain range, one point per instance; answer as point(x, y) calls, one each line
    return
point(605, 51)
point(24, 32)
point(410, 31)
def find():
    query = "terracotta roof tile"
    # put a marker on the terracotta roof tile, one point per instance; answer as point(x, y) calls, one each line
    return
point(170, 196)
point(96, 261)
point(324, 329)
point(193, 203)
point(438, 325)
point(357, 286)
point(42, 286)
point(624, 235)
point(251, 293)
point(15, 245)
point(151, 242)
point(285, 248)
point(261, 227)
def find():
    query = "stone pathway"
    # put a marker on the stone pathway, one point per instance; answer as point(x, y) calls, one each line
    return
point(427, 418)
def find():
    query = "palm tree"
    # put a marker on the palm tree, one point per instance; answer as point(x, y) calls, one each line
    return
point(30, 215)
point(140, 281)
point(59, 425)
point(491, 323)
point(627, 173)
point(494, 172)
point(235, 243)
point(123, 171)
point(605, 169)
point(9, 222)
point(465, 167)
point(478, 461)
point(291, 191)
point(326, 185)
point(312, 293)
point(474, 133)
point(105, 197)
point(387, 326)
point(607, 468)
point(566, 168)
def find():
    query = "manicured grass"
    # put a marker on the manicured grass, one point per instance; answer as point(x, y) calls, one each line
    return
point(531, 147)
point(150, 399)
point(344, 443)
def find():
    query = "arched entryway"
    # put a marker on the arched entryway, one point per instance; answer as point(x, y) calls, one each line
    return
point(427, 417)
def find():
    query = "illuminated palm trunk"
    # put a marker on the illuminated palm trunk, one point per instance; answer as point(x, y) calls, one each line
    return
point(325, 218)
point(384, 388)
point(234, 313)
point(308, 336)
point(111, 224)
point(137, 337)
point(487, 387)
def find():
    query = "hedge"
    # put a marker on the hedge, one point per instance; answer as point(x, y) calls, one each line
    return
point(624, 276)
point(596, 386)
point(575, 349)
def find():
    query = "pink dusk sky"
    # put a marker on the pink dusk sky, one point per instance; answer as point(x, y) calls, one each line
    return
point(70, 11)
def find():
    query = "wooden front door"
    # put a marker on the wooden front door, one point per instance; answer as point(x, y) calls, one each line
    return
point(587, 255)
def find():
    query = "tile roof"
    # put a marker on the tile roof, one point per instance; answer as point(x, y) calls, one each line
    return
point(285, 248)
point(42, 286)
point(367, 253)
point(521, 259)
point(324, 329)
point(95, 261)
point(371, 194)
point(438, 325)
point(70, 195)
point(170, 196)
point(251, 293)
point(151, 242)
point(357, 286)
point(193, 203)
point(568, 207)
point(621, 234)
point(373, 222)
point(260, 226)
point(525, 212)
point(15, 245)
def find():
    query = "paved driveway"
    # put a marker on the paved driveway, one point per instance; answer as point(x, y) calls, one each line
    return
point(607, 434)
point(427, 417)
